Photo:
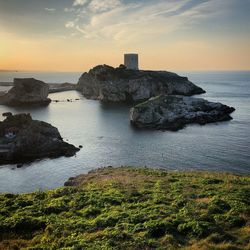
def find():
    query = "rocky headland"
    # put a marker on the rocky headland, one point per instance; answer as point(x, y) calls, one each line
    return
point(26, 91)
point(120, 84)
point(172, 112)
point(23, 139)
point(131, 208)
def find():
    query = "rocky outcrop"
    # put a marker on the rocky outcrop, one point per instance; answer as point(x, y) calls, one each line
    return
point(23, 139)
point(168, 112)
point(110, 84)
point(26, 91)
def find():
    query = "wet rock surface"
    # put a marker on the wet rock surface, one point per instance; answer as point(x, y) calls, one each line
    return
point(173, 112)
point(23, 139)
point(110, 84)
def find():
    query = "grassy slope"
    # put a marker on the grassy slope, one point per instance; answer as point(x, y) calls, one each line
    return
point(129, 208)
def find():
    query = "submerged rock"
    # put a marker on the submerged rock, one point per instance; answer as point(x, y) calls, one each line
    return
point(27, 91)
point(110, 84)
point(23, 139)
point(174, 112)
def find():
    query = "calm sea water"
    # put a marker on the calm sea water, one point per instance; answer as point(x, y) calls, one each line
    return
point(108, 139)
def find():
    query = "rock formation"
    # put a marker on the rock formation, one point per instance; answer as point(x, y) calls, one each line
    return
point(23, 139)
point(27, 91)
point(110, 84)
point(168, 112)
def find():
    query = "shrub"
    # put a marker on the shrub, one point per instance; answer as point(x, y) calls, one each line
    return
point(218, 206)
point(196, 228)
point(157, 229)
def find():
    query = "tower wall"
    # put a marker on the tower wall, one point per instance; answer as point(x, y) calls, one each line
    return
point(131, 61)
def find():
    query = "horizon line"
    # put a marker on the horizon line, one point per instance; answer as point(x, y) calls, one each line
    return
point(76, 71)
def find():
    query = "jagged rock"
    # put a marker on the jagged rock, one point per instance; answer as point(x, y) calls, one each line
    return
point(27, 91)
point(110, 84)
point(23, 139)
point(174, 112)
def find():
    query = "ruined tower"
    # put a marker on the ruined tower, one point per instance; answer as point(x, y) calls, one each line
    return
point(131, 61)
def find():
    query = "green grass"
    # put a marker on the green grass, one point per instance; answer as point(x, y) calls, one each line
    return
point(128, 208)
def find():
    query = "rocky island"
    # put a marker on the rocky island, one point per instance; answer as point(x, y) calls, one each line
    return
point(26, 91)
point(172, 112)
point(23, 139)
point(120, 84)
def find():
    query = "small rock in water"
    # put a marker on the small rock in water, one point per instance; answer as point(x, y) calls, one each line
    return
point(19, 165)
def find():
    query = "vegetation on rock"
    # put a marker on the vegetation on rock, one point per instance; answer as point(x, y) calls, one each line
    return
point(131, 208)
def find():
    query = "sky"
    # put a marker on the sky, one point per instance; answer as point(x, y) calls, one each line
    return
point(75, 35)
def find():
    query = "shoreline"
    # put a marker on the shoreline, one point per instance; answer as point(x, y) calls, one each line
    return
point(73, 180)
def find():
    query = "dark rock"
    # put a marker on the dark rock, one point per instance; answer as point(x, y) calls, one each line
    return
point(7, 114)
point(110, 84)
point(27, 91)
point(68, 183)
point(174, 112)
point(80, 146)
point(23, 140)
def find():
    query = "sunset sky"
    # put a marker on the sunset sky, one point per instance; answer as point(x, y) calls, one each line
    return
point(75, 35)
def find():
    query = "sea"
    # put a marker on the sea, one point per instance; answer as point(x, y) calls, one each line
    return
point(108, 139)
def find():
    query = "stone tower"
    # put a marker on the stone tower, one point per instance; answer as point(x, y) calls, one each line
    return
point(131, 61)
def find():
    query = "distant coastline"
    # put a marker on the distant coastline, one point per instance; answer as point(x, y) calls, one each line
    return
point(8, 70)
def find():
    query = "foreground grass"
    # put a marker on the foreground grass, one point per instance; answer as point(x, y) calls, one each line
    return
point(128, 208)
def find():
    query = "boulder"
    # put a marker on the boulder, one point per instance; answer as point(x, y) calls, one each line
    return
point(27, 91)
point(173, 112)
point(120, 84)
point(23, 139)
